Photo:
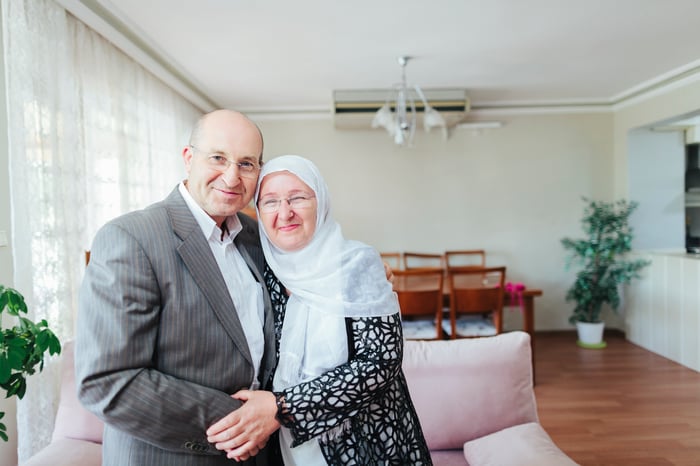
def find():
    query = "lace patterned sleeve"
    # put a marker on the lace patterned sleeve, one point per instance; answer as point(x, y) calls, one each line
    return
point(328, 402)
point(279, 298)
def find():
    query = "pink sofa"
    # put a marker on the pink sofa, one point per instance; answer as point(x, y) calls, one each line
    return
point(474, 398)
point(77, 433)
point(476, 403)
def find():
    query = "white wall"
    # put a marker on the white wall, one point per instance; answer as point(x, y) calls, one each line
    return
point(514, 191)
point(656, 170)
point(8, 451)
point(678, 100)
point(682, 99)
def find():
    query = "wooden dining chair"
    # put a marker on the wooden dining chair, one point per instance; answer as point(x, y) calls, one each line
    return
point(249, 210)
point(476, 301)
point(394, 259)
point(420, 294)
point(419, 260)
point(465, 258)
point(87, 257)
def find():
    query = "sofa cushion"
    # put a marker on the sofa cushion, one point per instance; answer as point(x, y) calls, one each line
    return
point(72, 419)
point(522, 445)
point(465, 389)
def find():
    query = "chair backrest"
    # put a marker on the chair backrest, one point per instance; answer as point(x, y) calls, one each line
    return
point(465, 258)
point(420, 260)
point(394, 259)
point(249, 210)
point(476, 290)
point(420, 294)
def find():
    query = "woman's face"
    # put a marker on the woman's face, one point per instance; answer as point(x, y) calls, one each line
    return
point(288, 210)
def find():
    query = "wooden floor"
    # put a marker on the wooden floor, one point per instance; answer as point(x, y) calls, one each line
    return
point(621, 405)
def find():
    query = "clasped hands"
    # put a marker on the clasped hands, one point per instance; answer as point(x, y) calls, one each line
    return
point(245, 431)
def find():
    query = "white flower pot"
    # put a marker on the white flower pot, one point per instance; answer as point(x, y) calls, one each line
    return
point(590, 335)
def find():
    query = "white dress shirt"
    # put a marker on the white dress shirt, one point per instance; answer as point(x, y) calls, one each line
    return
point(245, 291)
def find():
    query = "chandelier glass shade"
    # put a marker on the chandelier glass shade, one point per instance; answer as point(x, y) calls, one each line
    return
point(398, 115)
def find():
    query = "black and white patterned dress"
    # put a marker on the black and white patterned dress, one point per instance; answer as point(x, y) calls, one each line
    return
point(367, 396)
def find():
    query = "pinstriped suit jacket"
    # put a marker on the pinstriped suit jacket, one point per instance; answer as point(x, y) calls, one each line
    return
point(159, 346)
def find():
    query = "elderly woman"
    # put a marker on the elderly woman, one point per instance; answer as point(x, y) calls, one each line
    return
point(339, 391)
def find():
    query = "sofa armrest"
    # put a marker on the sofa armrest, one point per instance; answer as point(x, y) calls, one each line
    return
point(73, 421)
point(521, 445)
point(67, 452)
point(465, 389)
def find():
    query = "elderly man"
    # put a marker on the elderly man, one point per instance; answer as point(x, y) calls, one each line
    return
point(174, 315)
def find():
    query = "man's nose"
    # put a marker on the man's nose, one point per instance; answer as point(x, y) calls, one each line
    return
point(232, 174)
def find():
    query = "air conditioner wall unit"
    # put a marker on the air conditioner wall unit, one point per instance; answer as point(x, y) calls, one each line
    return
point(355, 109)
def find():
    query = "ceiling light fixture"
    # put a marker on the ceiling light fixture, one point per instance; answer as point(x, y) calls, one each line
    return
point(398, 114)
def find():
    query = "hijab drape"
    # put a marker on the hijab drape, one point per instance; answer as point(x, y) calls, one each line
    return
point(329, 279)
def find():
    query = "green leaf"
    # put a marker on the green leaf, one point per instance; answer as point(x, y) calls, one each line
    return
point(15, 342)
point(42, 341)
point(4, 369)
point(15, 302)
point(22, 387)
point(17, 385)
point(16, 356)
point(54, 344)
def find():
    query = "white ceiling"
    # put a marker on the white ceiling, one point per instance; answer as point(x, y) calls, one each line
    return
point(282, 55)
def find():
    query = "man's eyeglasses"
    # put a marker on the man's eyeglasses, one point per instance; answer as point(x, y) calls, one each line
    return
point(268, 206)
point(218, 162)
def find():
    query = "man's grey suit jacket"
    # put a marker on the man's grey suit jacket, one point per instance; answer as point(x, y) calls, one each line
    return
point(159, 346)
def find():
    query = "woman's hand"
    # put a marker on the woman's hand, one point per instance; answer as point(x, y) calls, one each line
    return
point(244, 432)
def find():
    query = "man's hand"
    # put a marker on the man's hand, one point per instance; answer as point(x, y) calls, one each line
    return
point(244, 432)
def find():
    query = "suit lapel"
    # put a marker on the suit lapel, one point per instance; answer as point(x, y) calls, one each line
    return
point(199, 260)
point(248, 240)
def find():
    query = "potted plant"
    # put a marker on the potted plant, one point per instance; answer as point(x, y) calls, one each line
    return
point(22, 347)
point(608, 237)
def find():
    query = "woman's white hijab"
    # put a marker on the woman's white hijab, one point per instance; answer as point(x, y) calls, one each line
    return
point(329, 279)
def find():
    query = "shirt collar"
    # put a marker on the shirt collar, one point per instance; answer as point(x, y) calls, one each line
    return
point(207, 224)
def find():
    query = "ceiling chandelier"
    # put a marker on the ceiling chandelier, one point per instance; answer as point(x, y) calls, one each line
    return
point(398, 114)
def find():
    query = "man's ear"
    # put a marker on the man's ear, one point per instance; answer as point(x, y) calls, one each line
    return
point(187, 154)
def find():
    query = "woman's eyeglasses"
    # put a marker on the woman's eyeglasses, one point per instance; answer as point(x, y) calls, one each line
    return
point(269, 206)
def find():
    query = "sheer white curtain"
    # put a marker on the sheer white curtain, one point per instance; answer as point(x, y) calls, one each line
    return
point(92, 135)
